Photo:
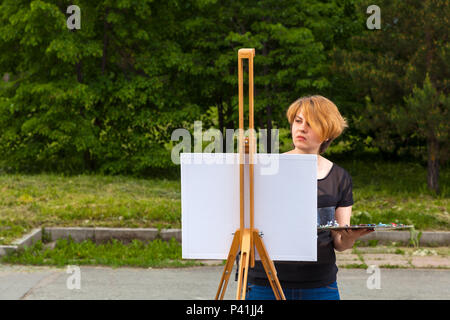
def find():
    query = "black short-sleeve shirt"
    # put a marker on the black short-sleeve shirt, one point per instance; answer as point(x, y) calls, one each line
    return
point(333, 191)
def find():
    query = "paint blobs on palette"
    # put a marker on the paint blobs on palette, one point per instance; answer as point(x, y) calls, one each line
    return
point(334, 225)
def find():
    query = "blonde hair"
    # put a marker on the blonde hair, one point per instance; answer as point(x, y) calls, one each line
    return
point(322, 115)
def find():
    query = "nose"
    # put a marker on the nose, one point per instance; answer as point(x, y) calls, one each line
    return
point(302, 127)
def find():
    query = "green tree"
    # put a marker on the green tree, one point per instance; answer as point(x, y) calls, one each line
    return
point(386, 65)
point(105, 97)
point(427, 112)
point(292, 41)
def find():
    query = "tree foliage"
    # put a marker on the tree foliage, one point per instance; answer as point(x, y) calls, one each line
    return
point(104, 97)
point(387, 67)
point(107, 97)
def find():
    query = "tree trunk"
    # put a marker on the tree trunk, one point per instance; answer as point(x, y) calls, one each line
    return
point(229, 119)
point(88, 162)
point(432, 143)
point(268, 107)
point(433, 164)
point(269, 128)
point(221, 124)
point(78, 68)
point(105, 42)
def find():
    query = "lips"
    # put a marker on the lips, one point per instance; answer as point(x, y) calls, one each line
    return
point(301, 138)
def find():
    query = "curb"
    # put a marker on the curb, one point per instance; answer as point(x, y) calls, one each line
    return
point(27, 240)
point(126, 235)
point(429, 238)
point(97, 235)
point(102, 235)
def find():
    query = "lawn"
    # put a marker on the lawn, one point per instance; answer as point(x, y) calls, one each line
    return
point(30, 201)
point(383, 192)
point(154, 254)
point(397, 192)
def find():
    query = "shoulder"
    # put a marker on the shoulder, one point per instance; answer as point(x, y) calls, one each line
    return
point(345, 187)
point(342, 174)
point(341, 169)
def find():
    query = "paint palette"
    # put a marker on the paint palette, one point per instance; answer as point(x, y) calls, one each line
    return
point(380, 226)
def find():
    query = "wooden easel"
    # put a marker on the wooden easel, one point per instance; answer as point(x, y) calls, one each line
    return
point(247, 238)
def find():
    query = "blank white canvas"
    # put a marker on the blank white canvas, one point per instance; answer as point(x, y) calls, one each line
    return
point(285, 198)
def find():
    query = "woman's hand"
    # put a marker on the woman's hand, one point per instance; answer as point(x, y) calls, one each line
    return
point(345, 239)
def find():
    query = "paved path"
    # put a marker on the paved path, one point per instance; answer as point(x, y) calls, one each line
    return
point(25, 282)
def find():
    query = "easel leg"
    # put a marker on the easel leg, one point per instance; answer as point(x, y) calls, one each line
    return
point(269, 267)
point(228, 266)
point(243, 266)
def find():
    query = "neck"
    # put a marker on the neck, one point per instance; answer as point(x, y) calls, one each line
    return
point(300, 151)
point(320, 159)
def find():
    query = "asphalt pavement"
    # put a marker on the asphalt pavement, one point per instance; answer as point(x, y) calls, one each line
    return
point(200, 283)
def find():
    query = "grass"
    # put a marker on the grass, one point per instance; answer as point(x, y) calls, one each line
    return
point(407, 253)
point(397, 192)
point(404, 251)
point(30, 201)
point(355, 266)
point(154, 254)
point(383, 192)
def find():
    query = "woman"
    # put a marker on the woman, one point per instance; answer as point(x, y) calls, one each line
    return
point(315, 122)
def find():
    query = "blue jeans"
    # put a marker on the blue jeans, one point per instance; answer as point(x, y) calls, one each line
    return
point(329, 292)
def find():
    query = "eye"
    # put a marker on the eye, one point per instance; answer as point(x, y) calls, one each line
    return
point(300, 121)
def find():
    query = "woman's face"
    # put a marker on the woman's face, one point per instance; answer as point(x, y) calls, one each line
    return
point(304, 138)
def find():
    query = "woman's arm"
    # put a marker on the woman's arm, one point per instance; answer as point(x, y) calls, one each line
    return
point(345, 239)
